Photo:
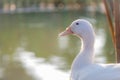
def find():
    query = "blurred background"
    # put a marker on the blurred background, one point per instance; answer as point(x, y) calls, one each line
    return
point(30, 48)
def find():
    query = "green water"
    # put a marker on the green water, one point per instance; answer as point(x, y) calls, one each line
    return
point(38, 33)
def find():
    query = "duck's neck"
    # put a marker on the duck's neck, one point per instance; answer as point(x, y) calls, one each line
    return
point(86, 54)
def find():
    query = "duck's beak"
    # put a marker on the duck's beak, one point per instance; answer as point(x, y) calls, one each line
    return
point(66, 32)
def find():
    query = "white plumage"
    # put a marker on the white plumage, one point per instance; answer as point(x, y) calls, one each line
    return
point(83, 67)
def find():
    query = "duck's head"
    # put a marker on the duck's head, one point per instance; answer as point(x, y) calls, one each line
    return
point(79, 27)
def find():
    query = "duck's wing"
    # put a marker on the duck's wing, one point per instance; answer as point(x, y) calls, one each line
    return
point(102, 72)
point(109, 72)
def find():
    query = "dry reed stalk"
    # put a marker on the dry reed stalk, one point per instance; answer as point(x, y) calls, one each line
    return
point(117, 29)
point(111, 27)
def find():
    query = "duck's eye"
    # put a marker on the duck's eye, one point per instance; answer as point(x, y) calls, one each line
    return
point(77, 23)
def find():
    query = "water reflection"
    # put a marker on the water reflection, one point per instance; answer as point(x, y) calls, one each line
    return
point(99, 44)
point(63, 42)
point(38, 68)
point(1, 72)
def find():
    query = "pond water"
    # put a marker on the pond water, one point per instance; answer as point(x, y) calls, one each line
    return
point(30, 48)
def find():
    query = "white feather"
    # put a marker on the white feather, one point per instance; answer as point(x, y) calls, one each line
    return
point(83, 67)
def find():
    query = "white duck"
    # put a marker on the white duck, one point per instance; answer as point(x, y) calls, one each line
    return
point(83, 67)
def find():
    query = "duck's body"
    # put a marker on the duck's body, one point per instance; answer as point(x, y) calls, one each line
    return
point(83, 67)
point(97, 72)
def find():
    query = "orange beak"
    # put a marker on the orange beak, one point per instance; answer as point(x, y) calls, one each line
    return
point(66, 32)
